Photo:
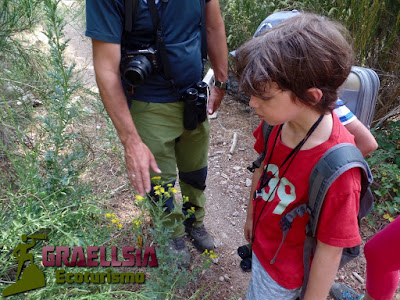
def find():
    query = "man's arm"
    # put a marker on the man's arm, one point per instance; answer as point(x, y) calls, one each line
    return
point(217, 52)
point(323, 271)
point(364, 139)
point(138, 157)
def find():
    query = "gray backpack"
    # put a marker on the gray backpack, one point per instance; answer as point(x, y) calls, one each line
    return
point(359, 95)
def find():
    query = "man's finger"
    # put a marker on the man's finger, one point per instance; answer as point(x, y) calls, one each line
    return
point(210, 108)
point(145, 180)
point(154, 166)
point(139, 184)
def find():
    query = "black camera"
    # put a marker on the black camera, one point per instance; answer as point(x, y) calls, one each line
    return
point(137, 65)
point(245, 254)
point(195, 105)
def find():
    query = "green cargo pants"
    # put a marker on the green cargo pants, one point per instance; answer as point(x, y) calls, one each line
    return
point(160, 125)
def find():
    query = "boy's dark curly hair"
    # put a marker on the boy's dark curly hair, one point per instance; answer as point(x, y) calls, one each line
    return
point(302, 52)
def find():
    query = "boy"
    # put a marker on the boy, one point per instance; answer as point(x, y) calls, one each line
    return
point(293, 72)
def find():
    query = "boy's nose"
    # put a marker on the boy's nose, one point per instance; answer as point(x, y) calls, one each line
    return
point(253, 102)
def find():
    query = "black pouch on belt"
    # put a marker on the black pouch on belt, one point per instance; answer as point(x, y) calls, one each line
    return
point(190, 112)
point(195, 105)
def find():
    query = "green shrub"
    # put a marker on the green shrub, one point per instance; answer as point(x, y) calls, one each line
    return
point(43, 158)
point(385, 165)
point(242, 18)
point(167, 279)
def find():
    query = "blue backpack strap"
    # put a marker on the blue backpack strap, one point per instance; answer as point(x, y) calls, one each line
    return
point(203, 31)
point(332, 164)
point(130, 14)
point(266, 131)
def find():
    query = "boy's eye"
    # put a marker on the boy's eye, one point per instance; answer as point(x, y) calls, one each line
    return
point(266, 98)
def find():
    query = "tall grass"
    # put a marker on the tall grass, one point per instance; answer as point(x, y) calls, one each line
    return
point(43, 156)
point(44, 159)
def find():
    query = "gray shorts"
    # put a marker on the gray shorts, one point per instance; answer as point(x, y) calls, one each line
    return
point(262, 286)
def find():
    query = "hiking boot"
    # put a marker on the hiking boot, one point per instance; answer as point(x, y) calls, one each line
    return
point(179, 248)
point(341, 291)
point(201, 238)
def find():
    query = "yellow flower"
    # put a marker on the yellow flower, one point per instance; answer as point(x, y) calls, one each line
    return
point(173, 190)
point(167, 195)
point(162, 190)
point(391, 219)
point(213, 255)
point(139, 198)
point(185, 199)
point(169, 184)
point(108, 215)
point(386, 216)
point(114, 221)
point(113, 215)
point(157, 192)
point(156, 187)
point(137, 223)
point(119, 225)
point(155, 178)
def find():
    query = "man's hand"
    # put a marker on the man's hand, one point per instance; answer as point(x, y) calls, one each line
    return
point(139, 160)
point(214, 102)
point(217, 52)
point(138, 157)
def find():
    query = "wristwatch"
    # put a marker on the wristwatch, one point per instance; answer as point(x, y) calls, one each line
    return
point(221, 85)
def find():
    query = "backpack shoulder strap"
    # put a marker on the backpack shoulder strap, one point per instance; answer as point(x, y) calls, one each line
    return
point(130, 14)
point(266, 131)
point(333, 163)
point(203, 30)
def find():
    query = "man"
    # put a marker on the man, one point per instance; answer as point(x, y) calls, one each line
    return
point(151, 127)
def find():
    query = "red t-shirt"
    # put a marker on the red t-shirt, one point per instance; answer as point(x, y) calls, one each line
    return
point(338, 220)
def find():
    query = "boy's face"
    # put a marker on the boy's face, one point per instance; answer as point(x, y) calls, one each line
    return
point(278, 107)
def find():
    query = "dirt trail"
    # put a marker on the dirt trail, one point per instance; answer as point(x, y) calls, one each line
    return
point(227, 184)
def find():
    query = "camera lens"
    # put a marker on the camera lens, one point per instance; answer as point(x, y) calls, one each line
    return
point(244, 251)
point(136, 70)
point(245, 264)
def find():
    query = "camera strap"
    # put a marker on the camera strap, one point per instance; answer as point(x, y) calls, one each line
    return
point(160, 40)
point(131, 7)
point(203, 32)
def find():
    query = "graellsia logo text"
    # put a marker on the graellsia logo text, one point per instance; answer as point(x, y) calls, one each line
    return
point(30, 277)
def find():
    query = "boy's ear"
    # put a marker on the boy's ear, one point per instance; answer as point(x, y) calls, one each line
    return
point(315, 94)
